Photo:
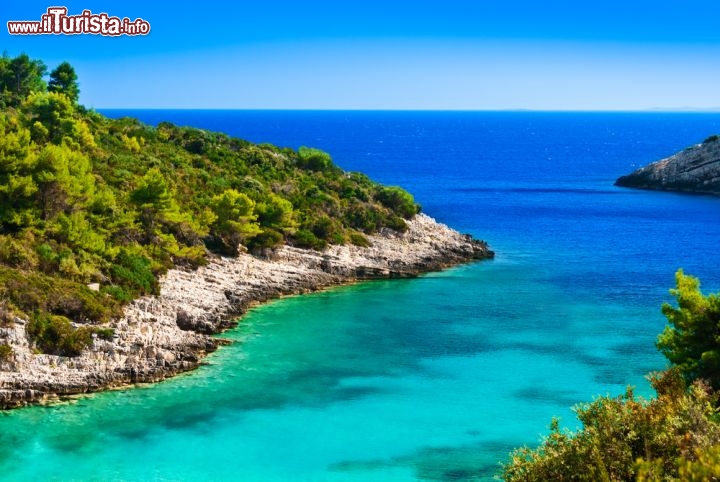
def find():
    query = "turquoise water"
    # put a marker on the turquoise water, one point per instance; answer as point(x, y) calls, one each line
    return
point(378, 381)
point(435, 378)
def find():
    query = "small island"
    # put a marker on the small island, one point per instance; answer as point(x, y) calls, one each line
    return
point(123, 247)
point(695, 170)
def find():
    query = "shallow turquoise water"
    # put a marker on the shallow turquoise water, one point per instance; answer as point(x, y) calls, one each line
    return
point(430, 379)
point(435, 378)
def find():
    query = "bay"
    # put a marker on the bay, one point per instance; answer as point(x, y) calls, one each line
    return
point(435, 378)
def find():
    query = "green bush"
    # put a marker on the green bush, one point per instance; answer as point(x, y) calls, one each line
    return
point(104, 333)
point(6, 352)
point(48, 258)
point(268, 238)
point(17, 253)
point(359, 239)
point(397, 223)
point(306, 239)
point(134, 271)
point(118, 293)
point(398, 201)
point(691, 341)
point(314, 159)
point(36, 292)
point(363, 217)
point(55, 335)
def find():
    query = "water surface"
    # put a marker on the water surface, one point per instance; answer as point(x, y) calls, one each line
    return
point(434, 378)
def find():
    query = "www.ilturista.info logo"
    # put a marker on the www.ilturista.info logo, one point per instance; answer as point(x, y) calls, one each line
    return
point(57, 22)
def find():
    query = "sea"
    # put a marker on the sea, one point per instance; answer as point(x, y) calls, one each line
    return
point(436, 378)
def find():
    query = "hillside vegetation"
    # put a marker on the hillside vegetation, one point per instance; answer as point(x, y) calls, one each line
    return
point(93, 210)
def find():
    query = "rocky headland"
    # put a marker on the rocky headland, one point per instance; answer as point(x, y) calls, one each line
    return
point(695, 169)
point(160, 336)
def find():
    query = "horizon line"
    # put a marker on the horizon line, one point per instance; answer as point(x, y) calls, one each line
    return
point(659, 110)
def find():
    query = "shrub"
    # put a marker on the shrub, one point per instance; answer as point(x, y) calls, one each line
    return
point(118, 293)
point(48, 258)
point(36, 292)
point(398, 201)
point(104, 333)
point(306, 239)
point(135, 272)
point(6, 316)
point(55, 335)
point(17, 253)
point(397, 223)
point(691, 341)
point(269, 238)
point(6, 352)
point(359, 239)
point(363, 217)
point(314, 159)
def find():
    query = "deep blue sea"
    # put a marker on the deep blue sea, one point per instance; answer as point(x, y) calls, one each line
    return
point(430, 379)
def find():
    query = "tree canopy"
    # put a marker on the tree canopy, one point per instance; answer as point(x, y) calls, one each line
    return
point(691, 341)
point(63, 80)
point(19, 77)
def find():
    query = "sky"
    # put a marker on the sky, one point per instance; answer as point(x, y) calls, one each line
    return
point(441, 55)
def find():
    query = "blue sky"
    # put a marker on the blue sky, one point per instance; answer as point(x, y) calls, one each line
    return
point(551, 55)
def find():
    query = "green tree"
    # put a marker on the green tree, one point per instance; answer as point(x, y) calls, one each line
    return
point(5, 75)
point(163, 219)
point(155, 199)
point(63, 80)
point(692, 339)
point(398, 200)
point(19, 77)
point(64, 180)
point(314, 159)
point(17, 186)
point(236, 222)
point(56, 335)
point(51, 117)
point(277, 213)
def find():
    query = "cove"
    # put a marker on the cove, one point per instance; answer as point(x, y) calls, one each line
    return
point(399, 380)
point(435, 378)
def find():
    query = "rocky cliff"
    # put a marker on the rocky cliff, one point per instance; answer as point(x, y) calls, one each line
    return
point(696, 169)
point(163, 335)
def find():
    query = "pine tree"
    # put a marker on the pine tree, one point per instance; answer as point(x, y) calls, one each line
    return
point(64, 81)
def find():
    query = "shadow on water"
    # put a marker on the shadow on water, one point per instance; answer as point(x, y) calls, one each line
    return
point(467, 463)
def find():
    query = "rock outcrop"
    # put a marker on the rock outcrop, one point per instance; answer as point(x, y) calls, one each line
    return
point(696, 169)
point(160, 336)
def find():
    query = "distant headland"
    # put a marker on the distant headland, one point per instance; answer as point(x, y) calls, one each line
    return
point(695, 169)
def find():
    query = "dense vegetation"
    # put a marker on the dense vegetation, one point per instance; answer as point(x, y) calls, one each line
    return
point(90, 201)
point(673, 437)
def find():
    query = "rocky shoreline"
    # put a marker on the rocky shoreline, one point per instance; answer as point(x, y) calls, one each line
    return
point(161, 336)
point(693, 170)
